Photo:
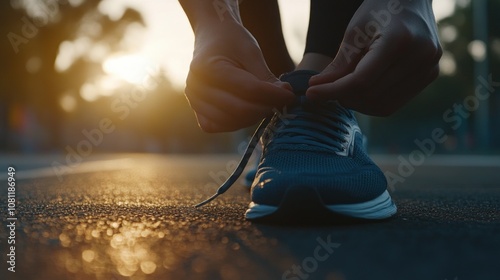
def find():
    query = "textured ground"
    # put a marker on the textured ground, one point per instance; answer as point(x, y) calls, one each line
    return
point(131, 217)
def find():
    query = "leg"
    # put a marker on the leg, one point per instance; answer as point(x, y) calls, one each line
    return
point(327, 24)
point(314, 167)
point(262, 19)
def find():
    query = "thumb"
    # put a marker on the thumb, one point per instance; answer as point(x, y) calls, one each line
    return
point(257, 66)
point(345, 62)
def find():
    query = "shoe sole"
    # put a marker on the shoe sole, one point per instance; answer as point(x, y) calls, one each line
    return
point(305, 204)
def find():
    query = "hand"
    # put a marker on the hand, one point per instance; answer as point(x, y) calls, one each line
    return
point(229, 85)
point(390, 52)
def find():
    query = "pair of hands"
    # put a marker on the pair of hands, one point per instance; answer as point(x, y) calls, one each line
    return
point(381, 65)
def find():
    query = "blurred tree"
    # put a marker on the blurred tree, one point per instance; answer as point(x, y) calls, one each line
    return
point(457, 81)
point(35, 32)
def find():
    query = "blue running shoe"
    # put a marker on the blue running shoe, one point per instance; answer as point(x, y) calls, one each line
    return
point(313, 165)
point(313, 158)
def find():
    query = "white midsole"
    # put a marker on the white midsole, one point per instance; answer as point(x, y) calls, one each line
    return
point(381, 207)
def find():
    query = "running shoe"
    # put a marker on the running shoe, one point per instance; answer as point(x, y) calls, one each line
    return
point(313, 165)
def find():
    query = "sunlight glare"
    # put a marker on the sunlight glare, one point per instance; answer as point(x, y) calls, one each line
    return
point(131, 68)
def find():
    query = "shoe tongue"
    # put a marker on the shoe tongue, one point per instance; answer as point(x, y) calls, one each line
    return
point(299, 80)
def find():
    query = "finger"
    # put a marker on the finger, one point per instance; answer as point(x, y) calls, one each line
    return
point(249, 87)
point(386, 103)
point(381, 55)
point(344, 63)
point(232, 105)
point(255, 64)
point(211, 119)
point(413, 85)
point(412, 63)
point(228, 77)
point(222, 112)
point(422, 57)
point(415, 70)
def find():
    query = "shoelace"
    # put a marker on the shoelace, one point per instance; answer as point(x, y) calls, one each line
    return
point(323, 127)
point(243, 162)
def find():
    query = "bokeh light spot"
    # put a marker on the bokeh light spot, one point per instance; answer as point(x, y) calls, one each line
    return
point(477, 50)
point(88, 255)
point(148, 267)
point(67, 102)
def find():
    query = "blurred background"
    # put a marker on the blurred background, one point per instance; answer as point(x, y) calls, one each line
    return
point(112, 73)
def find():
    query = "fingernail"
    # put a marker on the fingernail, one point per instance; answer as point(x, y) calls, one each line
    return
point(314, 78)
point(284, 85)
point(311, 95)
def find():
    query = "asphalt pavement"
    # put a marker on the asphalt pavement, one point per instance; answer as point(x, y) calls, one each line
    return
point(131, 216)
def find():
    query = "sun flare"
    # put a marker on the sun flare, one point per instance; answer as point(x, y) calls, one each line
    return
point(132, 68)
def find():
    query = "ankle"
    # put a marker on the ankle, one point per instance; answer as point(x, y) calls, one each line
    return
point(314, 61)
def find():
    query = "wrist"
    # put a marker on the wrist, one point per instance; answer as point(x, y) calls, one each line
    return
point(204, 14)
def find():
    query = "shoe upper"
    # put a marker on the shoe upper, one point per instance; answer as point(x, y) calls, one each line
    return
point(315, 145)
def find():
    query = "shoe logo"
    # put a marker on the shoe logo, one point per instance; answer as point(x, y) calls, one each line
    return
point(283, 115)
point(350, 138)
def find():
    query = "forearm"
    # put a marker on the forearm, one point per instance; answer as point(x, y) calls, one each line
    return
point(203, 13)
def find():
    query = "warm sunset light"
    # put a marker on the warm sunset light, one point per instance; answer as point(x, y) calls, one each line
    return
point(131, 68)
point(138, 144)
